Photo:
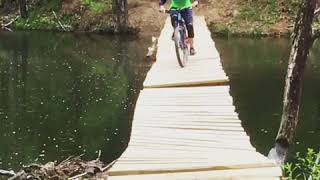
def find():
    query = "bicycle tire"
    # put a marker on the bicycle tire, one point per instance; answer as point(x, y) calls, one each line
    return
point(180, 47)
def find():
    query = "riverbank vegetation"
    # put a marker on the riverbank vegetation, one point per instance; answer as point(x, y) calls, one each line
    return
point(262, 17)
point(66, 15)
point(234, 17)
point(305, 166)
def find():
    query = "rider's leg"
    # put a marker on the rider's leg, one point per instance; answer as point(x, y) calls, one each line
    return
point(174, 17)
point(190, 34)
point(187, 15)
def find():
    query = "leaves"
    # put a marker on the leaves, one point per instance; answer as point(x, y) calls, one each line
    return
point(304, 167)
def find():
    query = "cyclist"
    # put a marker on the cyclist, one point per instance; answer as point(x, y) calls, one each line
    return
point(186, 12)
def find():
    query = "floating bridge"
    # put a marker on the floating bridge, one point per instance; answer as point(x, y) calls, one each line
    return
point(185, 125)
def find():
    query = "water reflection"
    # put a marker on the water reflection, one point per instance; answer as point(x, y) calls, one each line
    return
point(66, 94)
point(257, 69)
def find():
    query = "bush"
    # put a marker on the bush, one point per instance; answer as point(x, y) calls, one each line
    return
point(304, 167)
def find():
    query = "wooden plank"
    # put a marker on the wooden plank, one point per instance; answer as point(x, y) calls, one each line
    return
point(216, 128)
point(192, 141)
point(223, 137)
point(204, 110)
point(206, 115)
point(231, 156)
point(266, 173)
point(189, 90)
point(181, 146)
point(182, 118)
point(186, 146)
point(124, 169)
point(196, 109)
point(188, 124)
point(152, 130)
point(191, 137)
point(190, 116)
point(184, 142)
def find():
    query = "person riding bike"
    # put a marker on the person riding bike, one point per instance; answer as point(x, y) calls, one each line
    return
point(185, 6)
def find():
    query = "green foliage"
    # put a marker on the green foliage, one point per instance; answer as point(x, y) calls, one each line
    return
point(220, 29)
point(292, 6)
point(97, 6)
point(304, 166)
point(37, 21)
point(265, 12)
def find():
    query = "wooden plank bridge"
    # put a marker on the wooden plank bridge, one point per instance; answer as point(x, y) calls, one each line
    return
point(185, 125)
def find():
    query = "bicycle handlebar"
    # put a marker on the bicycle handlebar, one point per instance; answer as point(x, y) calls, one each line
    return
point(168, 11)
point(165, 11)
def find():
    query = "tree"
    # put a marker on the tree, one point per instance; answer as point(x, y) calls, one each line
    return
point(120, 15)
point(4, 4)
point(23, 8)
point(303, 37)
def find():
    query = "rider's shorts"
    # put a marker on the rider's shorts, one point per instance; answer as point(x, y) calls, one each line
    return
point(186, 14)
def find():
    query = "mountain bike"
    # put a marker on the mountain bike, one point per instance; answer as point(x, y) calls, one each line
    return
point(180, 38)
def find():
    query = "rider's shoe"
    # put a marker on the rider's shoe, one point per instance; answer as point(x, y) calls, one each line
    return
point(192, 51)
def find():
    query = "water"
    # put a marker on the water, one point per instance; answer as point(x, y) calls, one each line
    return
point(257, 69)
point(67, 94)
point(72, 94)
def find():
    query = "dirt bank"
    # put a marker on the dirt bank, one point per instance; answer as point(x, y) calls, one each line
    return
point(232, 17)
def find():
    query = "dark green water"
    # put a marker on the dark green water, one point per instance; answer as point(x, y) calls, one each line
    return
point(257, 69)
point(67, 94)
point(72, 94)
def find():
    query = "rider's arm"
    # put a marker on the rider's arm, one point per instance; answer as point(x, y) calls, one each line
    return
point(162, 2)
point(195, 3)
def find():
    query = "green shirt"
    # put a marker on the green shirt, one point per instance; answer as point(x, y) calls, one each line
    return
point(180, 4)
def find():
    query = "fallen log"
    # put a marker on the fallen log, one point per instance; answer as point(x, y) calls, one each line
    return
point(12, 21)
point(6, 26)
point(7, 173)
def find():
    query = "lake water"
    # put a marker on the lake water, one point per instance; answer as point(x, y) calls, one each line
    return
point(67, 94)
point(71, 94)
point(257, 69)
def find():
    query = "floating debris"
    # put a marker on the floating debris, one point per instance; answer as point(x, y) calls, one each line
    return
point(72, 168)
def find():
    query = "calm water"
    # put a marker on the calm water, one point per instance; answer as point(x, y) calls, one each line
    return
point(257, 69)
point(69, 94)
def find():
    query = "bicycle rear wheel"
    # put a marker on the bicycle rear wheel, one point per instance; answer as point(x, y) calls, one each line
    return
point(181, 47)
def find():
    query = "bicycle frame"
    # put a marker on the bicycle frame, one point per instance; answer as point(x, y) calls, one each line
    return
point(180, 37)
point(180, 25)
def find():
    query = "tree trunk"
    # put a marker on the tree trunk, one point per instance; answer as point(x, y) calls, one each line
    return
point(6, 5)
point(301, 44)
point(120, 15)
point(23, 8)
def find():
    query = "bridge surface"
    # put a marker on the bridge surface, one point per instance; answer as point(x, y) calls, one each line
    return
point(185, 125)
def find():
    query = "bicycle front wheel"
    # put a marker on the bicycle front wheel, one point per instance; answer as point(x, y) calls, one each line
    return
point(181, 48)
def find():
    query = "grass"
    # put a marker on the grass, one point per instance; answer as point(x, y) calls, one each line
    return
point(265, 12)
